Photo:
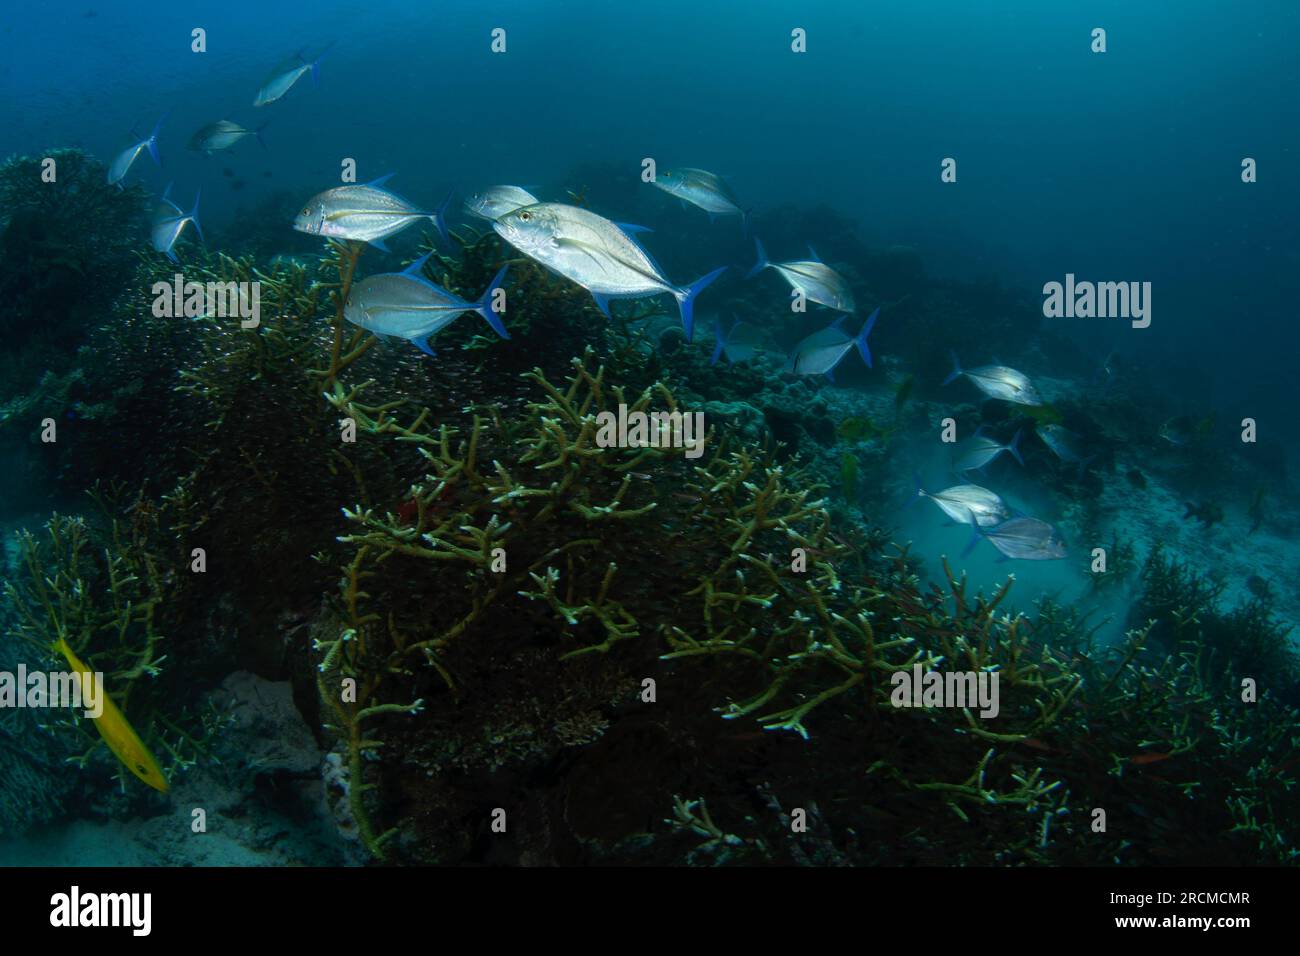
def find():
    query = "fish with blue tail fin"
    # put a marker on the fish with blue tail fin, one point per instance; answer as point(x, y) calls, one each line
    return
point(812, 278)
point(997, 381)
point(222, 135)
point(1064, 444)
point(702, 189)
point(740, 344)
point(122, 163)
point(821, 352)
point(407, 305)
point(281, 79)
point(170, 221)
point(598, 254)
point(980, 449)
point(365, 211)
point(964, 503)
point(1020, 538)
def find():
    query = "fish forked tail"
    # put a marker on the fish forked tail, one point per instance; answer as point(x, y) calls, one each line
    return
point(976, 533)
point(152, 142)
point(439, 217)
point(1014, 446)
point(194, 216)
point(719, 340)
point(861, 340)
point(956, 372)
point(762, 262)
point(744, 221)
point(484, 305)
point(920, 490)
point(315, 65)
point(258, 133)
point(686, 299)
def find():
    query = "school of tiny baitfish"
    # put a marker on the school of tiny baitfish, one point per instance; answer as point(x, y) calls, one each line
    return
point(607, 259)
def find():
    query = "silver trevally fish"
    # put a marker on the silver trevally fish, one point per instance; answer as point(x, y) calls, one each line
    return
point(367, 212)
point(820, 352)
point(978, 450)
point(815, 279)
point(596, 253)
point(1064, 443)
point(121, 164)
point(1026, 538)
point(699, 187)
point(496, 201)
point(407, 305)
point(169, 221)
point(998, 381)
point(741, 343)
point(280, 80)
point(961, 503)
point(221, 135)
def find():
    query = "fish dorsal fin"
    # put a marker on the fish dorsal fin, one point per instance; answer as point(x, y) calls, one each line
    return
point(632, 230)
point(416, 268)
point(167, 193)
point(813, 254)
point(378, 183)
point(839, 323)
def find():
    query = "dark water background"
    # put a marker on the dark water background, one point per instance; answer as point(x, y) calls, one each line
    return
point(1119, 166)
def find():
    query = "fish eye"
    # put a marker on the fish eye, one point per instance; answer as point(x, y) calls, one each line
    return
point(306, 211)
point(526, 216)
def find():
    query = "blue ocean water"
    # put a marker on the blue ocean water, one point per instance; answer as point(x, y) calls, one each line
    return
point(1122, 165)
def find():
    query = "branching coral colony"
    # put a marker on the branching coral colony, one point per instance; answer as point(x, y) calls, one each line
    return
point(529, 584)
point(725, 561)
point(98, 586)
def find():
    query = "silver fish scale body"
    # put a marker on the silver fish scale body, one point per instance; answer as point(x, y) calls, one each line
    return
point(998, 381)
point(277, 87)
point(168, 223)
point(976, 452)
point(357, 212)
point(281, 80)
point(818, 282)
point(165, 233)
point(819, 352)
point(961, 501)
point(1063, 442)
point(587, 248)
point(496, 202)
point(700, 187)
point(1027, 538)
point(402, 305)
point(122, 164)
point(218, 136)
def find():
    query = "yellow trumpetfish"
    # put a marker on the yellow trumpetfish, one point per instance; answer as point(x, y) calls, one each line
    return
point(117, 733)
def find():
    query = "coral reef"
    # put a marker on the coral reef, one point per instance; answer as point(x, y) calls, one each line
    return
point(65, 243)
point(636, 654)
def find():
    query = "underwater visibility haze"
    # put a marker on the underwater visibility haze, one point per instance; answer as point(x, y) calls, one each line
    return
point(589, 434)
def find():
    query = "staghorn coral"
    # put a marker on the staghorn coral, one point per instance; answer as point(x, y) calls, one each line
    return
point(515, 516)
point(100, 586)
point(517, 678)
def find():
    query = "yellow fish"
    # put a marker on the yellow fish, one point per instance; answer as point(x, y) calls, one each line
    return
point(118, 734)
